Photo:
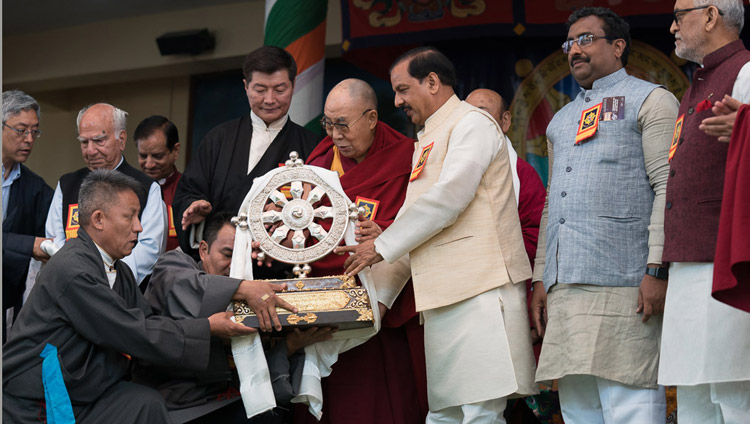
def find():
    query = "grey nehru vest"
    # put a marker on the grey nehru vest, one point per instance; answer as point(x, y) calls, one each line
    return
point(600, 198)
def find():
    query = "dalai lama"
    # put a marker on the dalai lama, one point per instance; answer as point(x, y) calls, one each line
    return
point(382, 380)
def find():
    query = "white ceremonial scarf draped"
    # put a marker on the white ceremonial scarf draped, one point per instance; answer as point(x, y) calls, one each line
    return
point(255, 381)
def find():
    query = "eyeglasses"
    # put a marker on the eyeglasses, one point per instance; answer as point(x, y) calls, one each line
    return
point(23, 133)
point(583, 41)
point(679, 13)
point(328, 125)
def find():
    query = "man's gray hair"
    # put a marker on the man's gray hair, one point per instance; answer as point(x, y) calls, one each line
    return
point(119, 117)
point(98, 190)
point(733, 10)
point(16, 101)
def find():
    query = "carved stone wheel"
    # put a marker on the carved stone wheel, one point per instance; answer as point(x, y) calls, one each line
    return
point(298, 219)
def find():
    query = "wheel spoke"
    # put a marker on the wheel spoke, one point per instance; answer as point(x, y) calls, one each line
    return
point(296, 190)
point(270, 217)
point(315, 195)
point(323, 212)
point(280, 234)
point(298, 240)
point(317, 231)
point(278, 198)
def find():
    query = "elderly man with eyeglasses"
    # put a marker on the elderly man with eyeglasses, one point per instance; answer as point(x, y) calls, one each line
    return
point(374, 163)
point(599, 284)
point(26, 197)
point(102, 135)
point(705, 343)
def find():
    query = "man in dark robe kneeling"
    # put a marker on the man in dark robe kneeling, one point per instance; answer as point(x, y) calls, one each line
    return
point(87, 317)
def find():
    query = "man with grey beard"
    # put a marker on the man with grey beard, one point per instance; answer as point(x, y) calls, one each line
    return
point(705, 343)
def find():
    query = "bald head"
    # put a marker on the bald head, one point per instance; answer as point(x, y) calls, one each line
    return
point(358, 91)
point(491, 102)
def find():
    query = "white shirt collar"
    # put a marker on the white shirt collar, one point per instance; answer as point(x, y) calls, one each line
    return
point(261, 125)
point(109, 265)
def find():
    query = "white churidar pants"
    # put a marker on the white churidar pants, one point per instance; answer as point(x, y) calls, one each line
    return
point(586, 399)
point(487, 412)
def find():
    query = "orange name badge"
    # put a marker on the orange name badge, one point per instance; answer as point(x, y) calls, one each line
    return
point(172, 230)
point(72, 226)
point(421, 162)
point(676, 136)
point(589, 123)
point(369, 205)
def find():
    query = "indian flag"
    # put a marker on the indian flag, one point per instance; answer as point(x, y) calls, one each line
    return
point(299, 27)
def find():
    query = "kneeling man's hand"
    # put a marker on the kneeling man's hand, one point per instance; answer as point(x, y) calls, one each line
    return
point(262, 299)
point(222, 326)
point(297, 339)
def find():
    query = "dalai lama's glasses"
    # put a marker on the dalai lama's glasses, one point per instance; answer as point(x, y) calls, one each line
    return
point(328, 125)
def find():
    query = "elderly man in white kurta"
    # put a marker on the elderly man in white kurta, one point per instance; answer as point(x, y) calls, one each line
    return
point(458, 236)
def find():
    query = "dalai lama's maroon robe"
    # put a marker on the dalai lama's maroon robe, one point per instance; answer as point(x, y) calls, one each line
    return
point(383, 380)
point(731, 283)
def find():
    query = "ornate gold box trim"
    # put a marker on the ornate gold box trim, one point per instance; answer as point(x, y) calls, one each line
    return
point(322, 301)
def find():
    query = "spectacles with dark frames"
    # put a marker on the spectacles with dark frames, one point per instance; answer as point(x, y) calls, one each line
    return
point(679, 13)
point(328, 125)
point(584, 40)
point(23, 133)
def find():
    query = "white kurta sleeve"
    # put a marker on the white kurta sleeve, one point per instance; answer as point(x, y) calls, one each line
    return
point(152, 240)
point(741, 90)
point(473, 144)
point(53, 228)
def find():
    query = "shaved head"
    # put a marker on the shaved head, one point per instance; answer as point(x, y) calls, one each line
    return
point(358, 91)
point(493, 103)
point(487, 100)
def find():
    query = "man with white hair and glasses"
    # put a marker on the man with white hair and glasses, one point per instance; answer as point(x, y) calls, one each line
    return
point(705, 343)
point(102, 134)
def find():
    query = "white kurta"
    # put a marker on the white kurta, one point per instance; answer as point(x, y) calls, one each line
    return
point(480, 348)
point(703, 340)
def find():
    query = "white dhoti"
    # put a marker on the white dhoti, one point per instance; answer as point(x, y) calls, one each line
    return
point(479, 349)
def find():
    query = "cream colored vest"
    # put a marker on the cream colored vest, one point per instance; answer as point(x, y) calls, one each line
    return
point(484, 248)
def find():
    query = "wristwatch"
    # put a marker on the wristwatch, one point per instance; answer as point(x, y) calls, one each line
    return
point(661, 273)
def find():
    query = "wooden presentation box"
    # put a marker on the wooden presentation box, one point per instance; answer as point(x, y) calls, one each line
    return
point(335, 301)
